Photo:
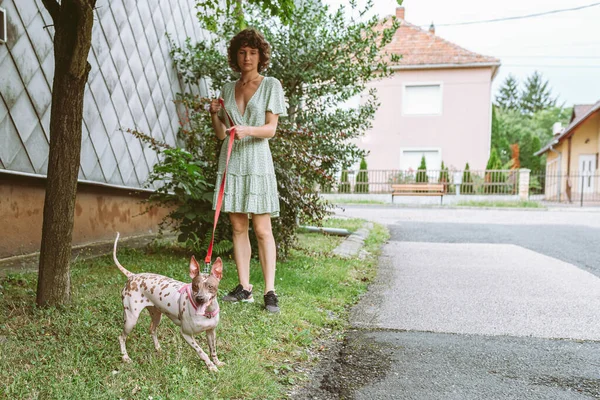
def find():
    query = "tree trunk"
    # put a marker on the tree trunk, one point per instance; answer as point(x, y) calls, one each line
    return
point(73, 21)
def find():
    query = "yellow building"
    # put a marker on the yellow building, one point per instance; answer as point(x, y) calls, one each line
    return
point(572, 158)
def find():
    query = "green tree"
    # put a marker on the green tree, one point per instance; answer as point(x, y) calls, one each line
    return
point(212, 13)
point(510, 126)
point(344, 186)
point(73, 21)
point(362, 179)
point(526, 156)
point(508, 97)
point(422, 172)
point(494, 161)
point(466, 186)
point(492, 176)
point(499, 138)
point(322, 60)
point(444, 176)
point(536, 95)
point(537, 161)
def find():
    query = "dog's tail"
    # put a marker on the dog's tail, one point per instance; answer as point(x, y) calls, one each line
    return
point(122, 268)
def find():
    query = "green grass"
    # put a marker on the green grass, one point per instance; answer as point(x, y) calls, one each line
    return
point(73, 352)
point(356, 201)
point(502, 204)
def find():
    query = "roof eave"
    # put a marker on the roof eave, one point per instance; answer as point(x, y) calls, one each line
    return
point(545, 148)
point(444, 66)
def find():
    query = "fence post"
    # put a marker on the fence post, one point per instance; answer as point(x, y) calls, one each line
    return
point(524, 183)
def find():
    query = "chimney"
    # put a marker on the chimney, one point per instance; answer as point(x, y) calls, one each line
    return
point(432, 28)
point(400, 12)
point(557, 128)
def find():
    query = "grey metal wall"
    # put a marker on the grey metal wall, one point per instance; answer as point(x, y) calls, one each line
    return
point(132, 84)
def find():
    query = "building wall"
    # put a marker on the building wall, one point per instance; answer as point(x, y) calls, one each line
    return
point(132, 85)
point(462, 132)
point(99, 213)
point(588, 132)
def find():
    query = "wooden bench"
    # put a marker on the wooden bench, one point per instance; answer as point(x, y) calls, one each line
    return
point(418, 189)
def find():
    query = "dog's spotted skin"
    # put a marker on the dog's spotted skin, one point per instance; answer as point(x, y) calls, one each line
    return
point(162, 295)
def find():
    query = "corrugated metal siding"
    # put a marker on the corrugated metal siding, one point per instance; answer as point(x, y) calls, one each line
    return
point(132, 84)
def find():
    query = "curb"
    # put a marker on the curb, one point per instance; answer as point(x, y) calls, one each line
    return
point(352, 246)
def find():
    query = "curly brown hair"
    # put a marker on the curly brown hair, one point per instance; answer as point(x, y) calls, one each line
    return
point(249, 37)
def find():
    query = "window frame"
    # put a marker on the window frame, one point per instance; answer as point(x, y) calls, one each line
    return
point(428, 83)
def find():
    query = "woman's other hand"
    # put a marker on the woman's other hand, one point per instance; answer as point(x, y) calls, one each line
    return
point(241, 131)
point(215, 106)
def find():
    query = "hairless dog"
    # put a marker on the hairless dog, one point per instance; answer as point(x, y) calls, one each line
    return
point(192, 306)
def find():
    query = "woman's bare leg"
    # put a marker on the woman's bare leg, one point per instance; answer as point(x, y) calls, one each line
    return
point(241, 247)
point(266, 248)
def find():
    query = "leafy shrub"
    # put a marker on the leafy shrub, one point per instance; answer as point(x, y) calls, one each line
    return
point(466, 186)
point(422, 172)
point(362, 179)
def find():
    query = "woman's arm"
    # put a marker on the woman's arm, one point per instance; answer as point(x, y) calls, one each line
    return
point(266, 131)
point(218, 126)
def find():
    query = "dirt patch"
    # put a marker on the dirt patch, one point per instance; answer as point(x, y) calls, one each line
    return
point(347, 366)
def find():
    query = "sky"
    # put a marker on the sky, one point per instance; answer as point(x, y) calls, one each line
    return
point(564, 47)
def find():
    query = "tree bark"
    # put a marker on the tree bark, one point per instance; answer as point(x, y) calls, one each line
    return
point(73, 20)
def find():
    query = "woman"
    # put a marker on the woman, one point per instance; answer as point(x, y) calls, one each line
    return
point(254, 103)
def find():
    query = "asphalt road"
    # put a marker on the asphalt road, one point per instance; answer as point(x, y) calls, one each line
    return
point(475, 304)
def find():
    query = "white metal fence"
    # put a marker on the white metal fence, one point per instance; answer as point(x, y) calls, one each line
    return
point(497, 182)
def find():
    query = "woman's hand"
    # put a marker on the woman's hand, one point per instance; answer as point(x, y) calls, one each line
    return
point(241, 131)
point(215, 106)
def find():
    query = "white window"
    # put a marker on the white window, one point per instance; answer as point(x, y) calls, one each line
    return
point(411, 158)
point(422, 99)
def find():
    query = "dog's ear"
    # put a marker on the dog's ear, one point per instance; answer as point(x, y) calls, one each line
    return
point(194, 268)
point(217, 268)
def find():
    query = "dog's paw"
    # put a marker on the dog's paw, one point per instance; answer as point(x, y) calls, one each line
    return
point(213, 368)
point(127, 359)
point(219, 363)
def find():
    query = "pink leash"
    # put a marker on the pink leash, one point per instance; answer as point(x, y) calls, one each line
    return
point(207, 259)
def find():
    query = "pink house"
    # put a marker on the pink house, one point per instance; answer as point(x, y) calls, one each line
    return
point(436, 104)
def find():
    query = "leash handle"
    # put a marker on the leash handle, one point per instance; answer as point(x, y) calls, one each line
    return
point(207, 259)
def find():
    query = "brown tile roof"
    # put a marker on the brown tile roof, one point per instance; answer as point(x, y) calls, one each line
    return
point(579, 110)
point(420, 47)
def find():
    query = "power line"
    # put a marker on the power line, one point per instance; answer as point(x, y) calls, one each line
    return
point(559, 57)
point(566, 57)
point(549, 66)
point(519, 16)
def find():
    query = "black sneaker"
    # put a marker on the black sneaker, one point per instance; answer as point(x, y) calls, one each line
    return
point(271, 302)
point(239, 294)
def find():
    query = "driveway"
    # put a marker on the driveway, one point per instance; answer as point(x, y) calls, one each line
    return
point(475, 304)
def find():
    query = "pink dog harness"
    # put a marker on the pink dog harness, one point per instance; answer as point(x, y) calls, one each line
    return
point(188, 289)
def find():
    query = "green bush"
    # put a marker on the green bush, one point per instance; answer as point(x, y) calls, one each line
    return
point(422, 172)
point(344, 186)
point(444, 177)
point(362, 179)
point(494, 180)
point(187, 190)
point(467, 181)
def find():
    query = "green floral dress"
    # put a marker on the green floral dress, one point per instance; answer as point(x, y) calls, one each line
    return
point(250, 186)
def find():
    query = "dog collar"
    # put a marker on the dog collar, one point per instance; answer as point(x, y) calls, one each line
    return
point(188, 289)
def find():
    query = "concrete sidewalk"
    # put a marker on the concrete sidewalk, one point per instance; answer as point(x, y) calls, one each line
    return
point(480, 289)
point(460, 310)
